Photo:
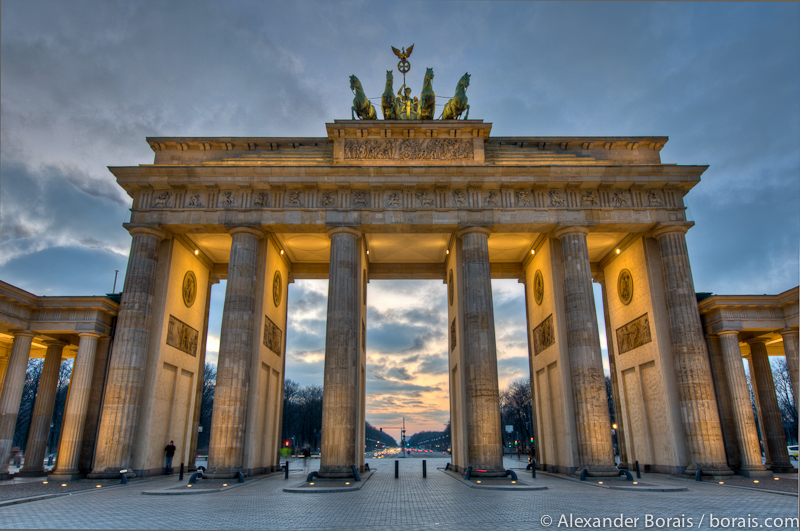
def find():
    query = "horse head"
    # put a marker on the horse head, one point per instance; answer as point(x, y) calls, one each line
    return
point(389, 76)
point(429, 73)
point(354, 82)
point(465, 80)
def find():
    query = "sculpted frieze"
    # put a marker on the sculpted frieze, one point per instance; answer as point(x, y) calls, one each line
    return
point(409, 149)
point(410, 198)
point(634, 334)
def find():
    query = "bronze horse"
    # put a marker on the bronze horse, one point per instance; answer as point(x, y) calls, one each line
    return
point(458, 103)
point(427, 100)
point(388, 99)
point(361, 105)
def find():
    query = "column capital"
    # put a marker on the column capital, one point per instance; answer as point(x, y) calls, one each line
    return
point(667, 229)
point(23, 333)
point(787, 331)
point(755, 341)
point(90, 334)
point(55, 343)
point(728, 332)
point(570, 229)
point(152, 230)
point(486, 231)
point(355, 231)
point(255, 231)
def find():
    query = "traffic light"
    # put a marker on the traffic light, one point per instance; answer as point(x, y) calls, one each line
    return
point(288, 443)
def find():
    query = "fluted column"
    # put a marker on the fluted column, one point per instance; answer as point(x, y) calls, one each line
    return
point(3, 367)
point(484, 438)
point(201, 370)
point(43, 411)
point(790, 349)
point(725, 404)
point(80, 384)
point(692, 370)
point(593, 423)
point(747, 436)
point(612, 366)
point(340, 405)
point(126, 370)
point(772, 427)
point(235, 350)
point(754, 387)
point(13, 383)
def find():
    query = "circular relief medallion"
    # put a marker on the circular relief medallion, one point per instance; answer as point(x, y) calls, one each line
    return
point(450, 288)
point(277, 288)
point(625, 287)
point(538, 287)
point(189, 288)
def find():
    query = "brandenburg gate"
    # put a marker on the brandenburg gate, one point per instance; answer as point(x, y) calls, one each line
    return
point(396, 199)
point(422, 199)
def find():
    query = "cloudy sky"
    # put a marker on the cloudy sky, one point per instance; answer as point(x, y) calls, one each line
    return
point(83, 83)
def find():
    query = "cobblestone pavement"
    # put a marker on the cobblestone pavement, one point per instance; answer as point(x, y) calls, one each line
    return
point(408, 503)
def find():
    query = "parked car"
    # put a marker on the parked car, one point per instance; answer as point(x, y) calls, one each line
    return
point(792, 451)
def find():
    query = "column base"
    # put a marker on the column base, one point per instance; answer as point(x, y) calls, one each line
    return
point(31, 473)
point(223, 473)
point(782, 467)
point(66, 476)
point(5, 475)
point(108, 474)
point(623, 465)
point(336, 472)
point(488, 472)
point(754, 473)
point(710, 470)
point(599, 471)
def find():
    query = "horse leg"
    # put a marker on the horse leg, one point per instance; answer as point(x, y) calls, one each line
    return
point(353, 112)
point(466, 117)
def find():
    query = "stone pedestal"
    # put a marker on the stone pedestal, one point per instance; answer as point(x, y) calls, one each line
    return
point(126, 370)
point(39, 430)
point(790, 349)
point(725, 406)
point(235, 350)
point(595, 452)
point(340, 408)
point(698, 406)
point(772, 427)
point(484, 438)
point(13, 383)
point(622, 445)
point(80, 384)
point(747, 436)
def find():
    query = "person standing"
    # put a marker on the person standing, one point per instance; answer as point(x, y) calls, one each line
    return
point(170, 450)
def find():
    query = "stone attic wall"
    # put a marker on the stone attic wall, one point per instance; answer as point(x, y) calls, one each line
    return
point(652, 428)
point(551, 385)
point(170, 382)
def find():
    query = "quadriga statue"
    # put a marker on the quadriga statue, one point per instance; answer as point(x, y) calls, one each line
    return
point(458, 103)
point(427, 99)
point(361, 105)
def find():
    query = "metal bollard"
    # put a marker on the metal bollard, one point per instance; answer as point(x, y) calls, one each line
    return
point(698, 474)
point(469, 471)
point(180, 478)
point(533, 468)
point(626, 474)
point(638, 474)
point(240, 476)
point(583, 474)
point(511, 473)
point(355, 472)
point(424, 469)
point(286, 471)
point(396, 469)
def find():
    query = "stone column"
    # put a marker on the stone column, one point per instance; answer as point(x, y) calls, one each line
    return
point(235, 350)
point(790, 349)
point(126, 370)
point(764, 447)
point(101, 355)
point(484, 438)
point(201, 364)
point(612, 364)
point(43, 411)
point(80, 384)
point(698, 404)
point(725, 405)
point(747, 436)
point(13, 383)
point(593, 423)
point(340, 405)
point(772, 428)
point(3, 367)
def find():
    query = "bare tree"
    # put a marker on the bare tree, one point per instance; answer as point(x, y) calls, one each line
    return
point(32, 375)
point(783, 388)
point(207, 405)
point(515, 410)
